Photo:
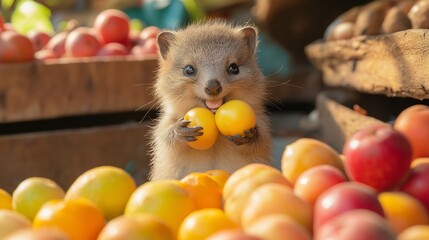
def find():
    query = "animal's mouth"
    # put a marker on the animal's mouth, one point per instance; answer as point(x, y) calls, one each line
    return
point(213, 104)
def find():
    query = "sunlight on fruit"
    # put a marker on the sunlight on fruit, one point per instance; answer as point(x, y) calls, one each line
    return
point(234, 117)
point(204, 118)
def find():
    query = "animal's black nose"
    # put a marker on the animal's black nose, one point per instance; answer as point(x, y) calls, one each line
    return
point(213, 87)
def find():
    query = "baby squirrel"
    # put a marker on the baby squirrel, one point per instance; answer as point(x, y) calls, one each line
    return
point(206, 65)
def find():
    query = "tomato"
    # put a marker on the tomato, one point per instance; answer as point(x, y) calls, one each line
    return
point(113, 26)
point(204, 118)
point(234, 117)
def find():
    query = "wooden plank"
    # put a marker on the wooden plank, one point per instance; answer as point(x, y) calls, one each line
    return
point(392, 64)
point(63, 155)
point(69, 87)
point(339, 122)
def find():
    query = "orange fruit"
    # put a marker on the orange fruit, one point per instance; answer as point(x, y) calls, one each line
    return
point(219, 176)
point(205, 192)
point(305, 153)
point(5, 200)
point(241, 184)
point(419, 161)
point(201, 224)
point(47, 233)
point(78, 218)
point(109, 188)
point(402, 210)
point(204, 118)
point(32, 193)
point(416, 232)
point(234, 117)
point(166, 199)
point(11, 221)
point(136, 227)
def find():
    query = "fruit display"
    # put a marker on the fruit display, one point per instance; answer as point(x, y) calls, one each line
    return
point(317, 194)
point(375, 187)
point(109, 36)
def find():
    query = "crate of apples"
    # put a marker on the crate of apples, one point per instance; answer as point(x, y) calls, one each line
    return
point(109, 36)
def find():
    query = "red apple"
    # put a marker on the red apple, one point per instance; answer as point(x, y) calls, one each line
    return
point(356, 225)
point(149, 48)
point(1, 23)
point(57, 44)
point(417, 184)
point(314, 181)
point(413, 122)
point(345, 197)
point(149, 32)
point(113, 26)
point(113, 49)
point(45, 54)
point(18, 48)
point(39, 39)
point(82, 42)
point(378, 156)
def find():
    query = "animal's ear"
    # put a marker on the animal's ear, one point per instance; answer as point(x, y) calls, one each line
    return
point(250, 36)
point(164, 40)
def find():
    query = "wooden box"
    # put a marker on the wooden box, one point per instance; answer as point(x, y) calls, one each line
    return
point(56, 118)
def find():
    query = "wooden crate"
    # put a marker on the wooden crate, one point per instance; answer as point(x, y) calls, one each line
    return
point(69, 87)
point(63, 155)
point(58, 93)
point(390, 64)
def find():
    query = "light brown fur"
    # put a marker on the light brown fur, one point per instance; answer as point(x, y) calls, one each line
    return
point(210, 47)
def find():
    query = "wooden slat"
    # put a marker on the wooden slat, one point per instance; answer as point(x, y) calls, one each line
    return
point(74, 87)
point(339, 122)
point(392, 64)
point(63, 155)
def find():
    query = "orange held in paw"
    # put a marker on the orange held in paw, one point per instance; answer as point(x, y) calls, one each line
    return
point(204, 118)
point(235, 117)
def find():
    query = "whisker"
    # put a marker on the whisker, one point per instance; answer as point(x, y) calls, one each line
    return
point(274, 73)
point(273, 101)
point(144, 105)
point(142, 84)
point(287, 84)
point(147, 112)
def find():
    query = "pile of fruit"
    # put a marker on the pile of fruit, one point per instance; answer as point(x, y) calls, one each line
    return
point(110, 35)
point(378, 189)
point(378, 17)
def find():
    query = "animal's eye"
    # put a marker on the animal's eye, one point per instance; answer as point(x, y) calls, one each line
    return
point(233, 69)
point(189, 70)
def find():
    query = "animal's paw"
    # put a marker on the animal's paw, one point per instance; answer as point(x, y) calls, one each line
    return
point(249, 136)
point(185, 133)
